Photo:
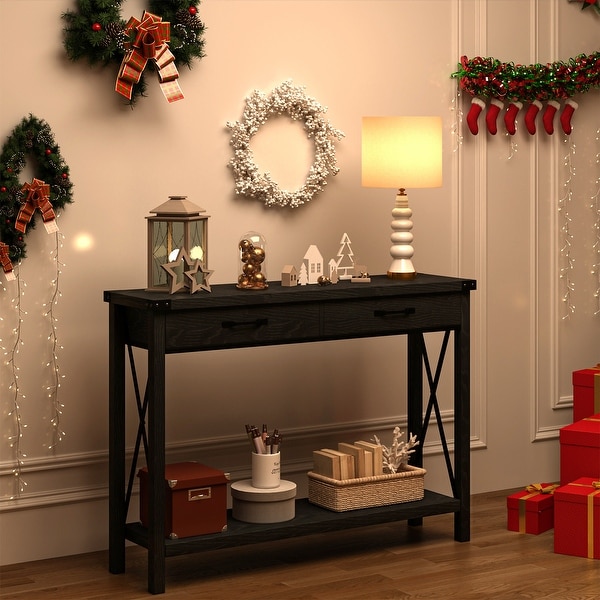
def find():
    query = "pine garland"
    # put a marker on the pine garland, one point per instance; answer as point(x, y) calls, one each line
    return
point(32, 138)
point(488, 77)
point(96, 32)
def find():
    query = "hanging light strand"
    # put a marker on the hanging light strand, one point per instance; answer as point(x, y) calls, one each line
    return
point(53, 387)
point(513, 148)
point(16, 394)
point(567, 262)
point(595, 207)
point(457, 120)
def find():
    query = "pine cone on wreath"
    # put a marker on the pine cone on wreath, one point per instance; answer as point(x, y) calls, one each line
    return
point(116, 33)
point(187, 19)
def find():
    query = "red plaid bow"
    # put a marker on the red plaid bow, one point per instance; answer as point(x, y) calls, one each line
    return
point(152, 35)
point(38, 196)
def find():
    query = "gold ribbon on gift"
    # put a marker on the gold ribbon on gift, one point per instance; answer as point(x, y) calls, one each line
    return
point(5, 258)
point(595, 485)
point(38, 196)
point(151, 37)
point(541, 488)
point(534, 489)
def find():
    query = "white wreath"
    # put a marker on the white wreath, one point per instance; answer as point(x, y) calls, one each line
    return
point(292, 101)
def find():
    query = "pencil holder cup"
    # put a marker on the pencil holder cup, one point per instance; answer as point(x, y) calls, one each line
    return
point(266, 470)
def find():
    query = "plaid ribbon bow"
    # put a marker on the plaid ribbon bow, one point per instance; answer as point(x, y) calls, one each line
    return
point(151, 37)
point(38, 196)
point(5, 258)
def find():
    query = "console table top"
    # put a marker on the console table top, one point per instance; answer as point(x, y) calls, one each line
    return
point(228, 294)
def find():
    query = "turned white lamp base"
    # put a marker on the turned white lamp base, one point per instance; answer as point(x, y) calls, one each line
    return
point(402, 237)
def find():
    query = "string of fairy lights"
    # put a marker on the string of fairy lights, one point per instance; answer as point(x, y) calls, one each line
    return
point(567, 262)
point(16, 394)
point(52, 364)
point(11, 350)
point(595, 207)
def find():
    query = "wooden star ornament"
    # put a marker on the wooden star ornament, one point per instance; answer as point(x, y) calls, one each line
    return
point(183, 273)
point(191, 276)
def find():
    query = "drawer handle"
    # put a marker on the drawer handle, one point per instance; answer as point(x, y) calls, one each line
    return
point(199, 494)
point(405, 312)
point(233, 324)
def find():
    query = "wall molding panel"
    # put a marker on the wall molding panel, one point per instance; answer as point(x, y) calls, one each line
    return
point(55, 480)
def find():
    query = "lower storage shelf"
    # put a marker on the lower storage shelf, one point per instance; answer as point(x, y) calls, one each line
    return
point(309, 519)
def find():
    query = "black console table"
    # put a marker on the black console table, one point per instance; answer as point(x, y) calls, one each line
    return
point(231, 318)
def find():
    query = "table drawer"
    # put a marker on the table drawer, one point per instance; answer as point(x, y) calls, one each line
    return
point(232, 328)
point(386, 316)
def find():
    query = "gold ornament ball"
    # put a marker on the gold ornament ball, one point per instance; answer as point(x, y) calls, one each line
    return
point(260, 278)
point(249, 269)
point(246, 245)
point(258, 256)
point(246, 256)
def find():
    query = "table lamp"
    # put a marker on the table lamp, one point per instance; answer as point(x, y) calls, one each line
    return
point(401, 153)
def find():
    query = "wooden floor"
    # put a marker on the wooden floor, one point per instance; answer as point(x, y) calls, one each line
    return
point(385, 562)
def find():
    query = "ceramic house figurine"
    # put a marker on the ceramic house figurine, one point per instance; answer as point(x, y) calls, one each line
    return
point(289, 276)
point(314, 263)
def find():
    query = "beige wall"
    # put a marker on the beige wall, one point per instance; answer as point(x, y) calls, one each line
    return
point(494, 220)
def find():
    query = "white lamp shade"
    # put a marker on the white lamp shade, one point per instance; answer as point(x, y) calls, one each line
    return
point(402, 152)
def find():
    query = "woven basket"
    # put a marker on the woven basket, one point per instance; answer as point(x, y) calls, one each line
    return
point(365, 492)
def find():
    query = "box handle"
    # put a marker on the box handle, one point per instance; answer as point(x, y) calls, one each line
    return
point(199, 494)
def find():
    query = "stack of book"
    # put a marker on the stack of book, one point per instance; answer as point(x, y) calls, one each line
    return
point(349, 461)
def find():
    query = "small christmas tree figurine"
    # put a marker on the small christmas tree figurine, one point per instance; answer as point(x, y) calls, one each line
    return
point(399, 453)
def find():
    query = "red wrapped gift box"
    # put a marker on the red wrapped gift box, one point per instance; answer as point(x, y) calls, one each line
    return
point(577, 518)
point(580, 450)
point(531, 510)
point(586, 393)
point(195, 500)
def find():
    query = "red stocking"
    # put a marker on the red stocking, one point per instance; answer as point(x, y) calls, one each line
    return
point(531, 114)
point(548, 118)
point(510, 116)
point(567, 113)
point(492, 115)
point(477, 105)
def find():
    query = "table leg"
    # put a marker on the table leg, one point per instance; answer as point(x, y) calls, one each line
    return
point(156, 452)
point(462, 432)
point(116, 447)
point(414, 408)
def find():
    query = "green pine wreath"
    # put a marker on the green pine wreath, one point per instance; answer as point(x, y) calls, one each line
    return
point(31, 139)
point(96, 32)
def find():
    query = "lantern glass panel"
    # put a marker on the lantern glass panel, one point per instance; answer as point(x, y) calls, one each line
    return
point(160, 252)
point(167, 239)
point(197, 240)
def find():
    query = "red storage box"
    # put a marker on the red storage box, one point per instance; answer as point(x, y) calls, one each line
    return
point(580, 450)
point(196, 499)
point(586, 393)
point(531, 510)
point(577, 518)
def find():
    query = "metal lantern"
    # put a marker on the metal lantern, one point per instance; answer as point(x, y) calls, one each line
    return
point(178, 225)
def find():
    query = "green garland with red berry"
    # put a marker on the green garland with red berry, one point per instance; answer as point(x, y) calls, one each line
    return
point(494, 84)
point(31, 139)
point(96, 31)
